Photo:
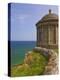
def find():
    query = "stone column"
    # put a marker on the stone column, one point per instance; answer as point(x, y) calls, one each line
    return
point(42, 34)
point(37, 36)
point(55, 32)
point(48, 35)
point(56, 35)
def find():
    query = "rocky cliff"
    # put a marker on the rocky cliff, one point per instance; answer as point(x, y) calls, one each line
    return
point(52, 67)
point(37, 62)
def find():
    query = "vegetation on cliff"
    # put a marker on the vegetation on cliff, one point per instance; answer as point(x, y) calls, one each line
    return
point(34, 64)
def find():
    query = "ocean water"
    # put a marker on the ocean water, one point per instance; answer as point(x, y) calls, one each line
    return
point(19, 49)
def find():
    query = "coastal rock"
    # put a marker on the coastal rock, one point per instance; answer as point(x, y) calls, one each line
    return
point(28, 58)
point(52, 66)
point(44, 51)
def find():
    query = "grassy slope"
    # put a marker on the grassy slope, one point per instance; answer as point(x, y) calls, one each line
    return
point(56, 50)
point(35, 66)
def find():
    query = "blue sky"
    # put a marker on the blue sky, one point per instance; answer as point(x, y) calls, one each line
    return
point(23, 20)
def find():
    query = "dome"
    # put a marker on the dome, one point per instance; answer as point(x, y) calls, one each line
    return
point(48, 17)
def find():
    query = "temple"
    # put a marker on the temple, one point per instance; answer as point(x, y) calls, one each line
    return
point(47, 31)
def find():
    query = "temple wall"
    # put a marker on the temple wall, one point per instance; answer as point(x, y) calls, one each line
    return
point(47, 36)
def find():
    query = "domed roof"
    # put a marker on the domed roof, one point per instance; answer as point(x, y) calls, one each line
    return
point(50, 16)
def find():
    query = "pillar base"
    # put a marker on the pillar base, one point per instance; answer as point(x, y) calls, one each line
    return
point(52, 46)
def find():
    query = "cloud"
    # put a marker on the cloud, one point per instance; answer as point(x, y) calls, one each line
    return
point(23, 17)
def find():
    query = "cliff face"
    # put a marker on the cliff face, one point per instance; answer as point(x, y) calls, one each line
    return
point(52, 66)
point(28, 58)
point(37, 62)
point(34, 64)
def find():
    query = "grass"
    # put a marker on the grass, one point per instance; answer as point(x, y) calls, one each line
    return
point(56, 50)
point(33, 66)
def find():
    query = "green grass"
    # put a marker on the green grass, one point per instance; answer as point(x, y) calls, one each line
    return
point(56, 50)
point(35, 67)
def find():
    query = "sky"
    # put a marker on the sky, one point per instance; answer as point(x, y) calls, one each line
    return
point(23, 20)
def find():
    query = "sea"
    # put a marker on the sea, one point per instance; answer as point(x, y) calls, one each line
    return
point(19, 49)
